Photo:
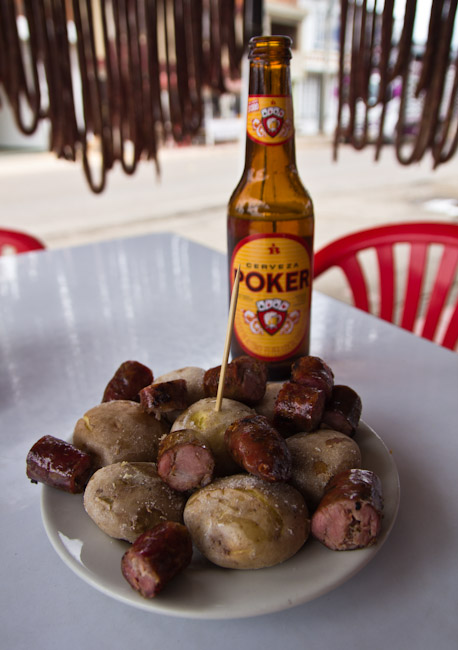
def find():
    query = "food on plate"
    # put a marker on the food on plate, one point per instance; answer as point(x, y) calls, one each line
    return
point(210, 425)
point(128, 380)
point(298, 408)
point(243, 522)
point(317, 457)
point(313, 372)
point(126, 499)
point(257, 447)
point(59, 464)
point(151, 476)
point(164, 397)
point(194, 378)
point(245, 380)
point(156, 557)
point(349, 515)
point(119, 430)
point(267, 404)
point(184, 462)
point(343, 411)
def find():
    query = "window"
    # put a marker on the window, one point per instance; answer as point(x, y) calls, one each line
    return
point(319, 32)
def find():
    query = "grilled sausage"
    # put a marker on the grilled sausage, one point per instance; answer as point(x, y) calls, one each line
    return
point(349, 515)
point(313, 372)
point(164, 398)
point(156, 557)
point(257, 447)
point(245, 380)
point(59, 464)
point(184, 462)
point(128, 380)
point(343, 410)
point(298, 408)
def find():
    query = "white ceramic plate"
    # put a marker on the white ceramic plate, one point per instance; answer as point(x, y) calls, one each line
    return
point(205, 591)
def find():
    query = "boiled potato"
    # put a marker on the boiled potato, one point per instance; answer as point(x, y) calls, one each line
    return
point(317, 457)
point(126, 499)
point(194, 378)
point(119, 430)
point(243, 522)
point(267, 405)
point(210, 425)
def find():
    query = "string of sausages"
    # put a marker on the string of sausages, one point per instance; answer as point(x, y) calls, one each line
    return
point(115, 78)
point(426, 81)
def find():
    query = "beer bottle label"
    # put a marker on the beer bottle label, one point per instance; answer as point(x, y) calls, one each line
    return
point(273, 306)
point(270, 119)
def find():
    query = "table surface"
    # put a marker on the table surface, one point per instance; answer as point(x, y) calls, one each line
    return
point(69, 317)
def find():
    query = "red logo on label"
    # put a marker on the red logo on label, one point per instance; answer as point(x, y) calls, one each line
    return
point(272, 314)
point(272, 119)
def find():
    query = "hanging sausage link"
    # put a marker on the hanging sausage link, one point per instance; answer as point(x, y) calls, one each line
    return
point(105, 102)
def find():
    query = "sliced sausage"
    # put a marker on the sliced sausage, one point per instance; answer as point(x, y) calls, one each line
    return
point(184, 462)
point(194, 378)
point(245, 380)
point(128, 380)
point(298, 408)
point(163, 398)
point(257, 447)
point(349, 516)
point(156, 557)
point(313, 372)
point(59, 464)
point(343, 411)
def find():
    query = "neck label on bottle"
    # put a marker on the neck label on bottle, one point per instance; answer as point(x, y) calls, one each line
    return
point(272, 317)
point(270, 119)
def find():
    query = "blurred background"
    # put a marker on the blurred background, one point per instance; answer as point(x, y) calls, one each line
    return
point(48, 196)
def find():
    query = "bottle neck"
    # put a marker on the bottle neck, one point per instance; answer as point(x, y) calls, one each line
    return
point(270, 142)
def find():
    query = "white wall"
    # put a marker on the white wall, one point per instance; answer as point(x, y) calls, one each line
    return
point(12, 138)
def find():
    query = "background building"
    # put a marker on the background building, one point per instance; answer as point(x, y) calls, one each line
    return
point(313, 26)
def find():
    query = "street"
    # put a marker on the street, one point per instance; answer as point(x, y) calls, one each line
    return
point(51, 199)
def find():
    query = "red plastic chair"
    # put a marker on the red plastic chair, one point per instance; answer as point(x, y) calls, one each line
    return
point(12, 241)
point(432, 314)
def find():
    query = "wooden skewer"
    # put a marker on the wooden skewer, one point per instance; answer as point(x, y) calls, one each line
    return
point(227, 345)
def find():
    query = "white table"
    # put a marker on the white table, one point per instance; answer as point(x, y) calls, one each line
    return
point(69, 317)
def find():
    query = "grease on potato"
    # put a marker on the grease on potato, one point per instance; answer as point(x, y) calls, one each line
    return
point(126, 499)
point(243, 522)
point(210, 426)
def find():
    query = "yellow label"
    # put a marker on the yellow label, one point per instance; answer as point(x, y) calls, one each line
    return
point(273, 306)
point(270, 118)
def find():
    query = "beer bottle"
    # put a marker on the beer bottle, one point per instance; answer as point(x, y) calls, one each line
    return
point(270, 221)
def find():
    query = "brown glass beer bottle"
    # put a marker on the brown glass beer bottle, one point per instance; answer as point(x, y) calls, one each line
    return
point(270, 221)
